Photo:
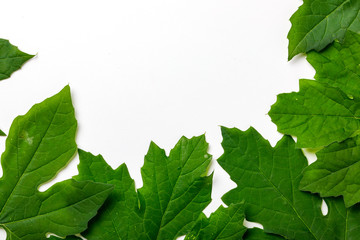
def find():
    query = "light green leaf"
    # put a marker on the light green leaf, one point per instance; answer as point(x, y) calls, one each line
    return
point(268, 184)
point(338, 65)
point(317, 115)
point(174, 193)
point(39, 144)
point(11, 59)
point(336, 172)
point(319, 22)
point(223, 224)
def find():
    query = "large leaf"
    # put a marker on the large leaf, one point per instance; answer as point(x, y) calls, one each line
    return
point(268, 184)
point(338, 65)
point(317, 115)
point(223, 224)
point(319, 22)
point(39, 144)
point(11, 59)
point(336, 172)
point(174, 193)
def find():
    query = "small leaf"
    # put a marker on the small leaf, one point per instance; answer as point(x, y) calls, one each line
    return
point(39, 144)
point(336, 172)
point(338, 64)
point(268, 185)
point(319, 22)
point(2, 134)
point(223, 224)
point(11, 59)
point(317, 115)
point(174, 193)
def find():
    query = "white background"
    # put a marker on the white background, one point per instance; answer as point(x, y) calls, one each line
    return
point(147, 70)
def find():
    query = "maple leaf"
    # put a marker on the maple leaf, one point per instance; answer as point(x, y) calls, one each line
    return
point(11, 59)
point(39, 144)
point(174, 193)
point(336, 172)
point(326, 110)
point(319, 22)
point(227, 224)
point(267, 181)
point(318, 114)
point(224, 223)
point(338, 65)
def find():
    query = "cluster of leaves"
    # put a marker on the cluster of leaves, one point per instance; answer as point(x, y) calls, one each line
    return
point(103, 203)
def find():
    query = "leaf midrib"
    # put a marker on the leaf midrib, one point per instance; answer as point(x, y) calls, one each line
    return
point(289, 202)
point(172, 190)
point(31, 158)
point(52, 212)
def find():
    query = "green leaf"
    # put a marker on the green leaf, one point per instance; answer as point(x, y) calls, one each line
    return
point(319, 22)
point(39, 144)
point(338, 65)
point(174, 193)
point(267, 183)
point(2, 134)
point(224, 223)
point(259, 234)
point(336, 172)
point(317, 115)
point(11, 59)
point(67, 238)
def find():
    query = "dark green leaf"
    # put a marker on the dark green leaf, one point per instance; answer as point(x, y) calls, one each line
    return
point(224, 224)
point(267, 183)
point(11, 59)
point(2, 134)
point(336, 172)
point(319, 22)
point(175, 191)
point(317, 115)
point(259, 234)
point(39, 144)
